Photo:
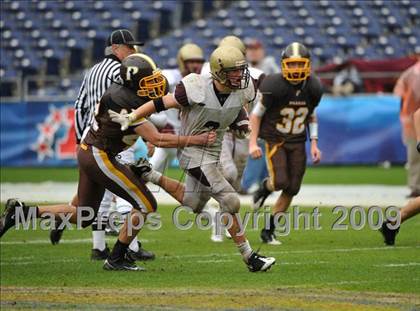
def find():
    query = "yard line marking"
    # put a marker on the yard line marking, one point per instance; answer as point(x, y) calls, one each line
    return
point(23, 263)
point(307, 251)
point(392, 265)
point(214, 260)
point(304, 263)
point(64, 241)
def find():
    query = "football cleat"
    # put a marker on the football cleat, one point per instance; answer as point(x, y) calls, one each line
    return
point(260, 196)
point(99, 255)
point(140, 255)
point(121, 265)
point(8, 218)
point(388, 234)
point(142, 167)
point(257, 262)
point(56, 234)
point(111, 231)
point(269, 237)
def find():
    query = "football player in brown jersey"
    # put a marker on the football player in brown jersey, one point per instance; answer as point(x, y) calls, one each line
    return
point(281, 118)
point(98, 168)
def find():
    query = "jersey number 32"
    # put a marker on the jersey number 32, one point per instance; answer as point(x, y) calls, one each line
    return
point(293, 120)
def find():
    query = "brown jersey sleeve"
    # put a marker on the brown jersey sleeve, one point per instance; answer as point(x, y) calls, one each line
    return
point(180, 94)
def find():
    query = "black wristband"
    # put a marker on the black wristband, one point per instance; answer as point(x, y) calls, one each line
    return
point(418, 147)
point(159, 106)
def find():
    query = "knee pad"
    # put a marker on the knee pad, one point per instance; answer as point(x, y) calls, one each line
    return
point(230, 172)
point(230, 203)
point(194, 201)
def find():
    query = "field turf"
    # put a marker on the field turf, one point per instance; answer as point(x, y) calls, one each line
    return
point(315, 270)
point(395, 175)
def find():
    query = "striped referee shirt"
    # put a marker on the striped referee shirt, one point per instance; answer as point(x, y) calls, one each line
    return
point(96, 81)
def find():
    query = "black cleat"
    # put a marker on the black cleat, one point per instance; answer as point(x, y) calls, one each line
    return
point(121, 265)
point(258, 262)
point(100, 255)
point(140, 255)
point(8, 219)
point(260, 196)
point(268, 237)
point(56, 234)
point(389, 234)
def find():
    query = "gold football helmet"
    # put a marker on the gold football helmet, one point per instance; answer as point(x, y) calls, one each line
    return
point(189, 52)
point(233, 41)
point(229, 67)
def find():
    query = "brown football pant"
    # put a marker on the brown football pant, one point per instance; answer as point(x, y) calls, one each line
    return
point(98, 171)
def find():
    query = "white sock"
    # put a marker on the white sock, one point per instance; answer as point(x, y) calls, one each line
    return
point(134, 246)
point(245, 250)
point(98, 239)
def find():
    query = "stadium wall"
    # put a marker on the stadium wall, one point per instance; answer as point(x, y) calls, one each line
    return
point(361, 129)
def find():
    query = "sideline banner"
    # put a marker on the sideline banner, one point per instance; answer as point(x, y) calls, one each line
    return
point(360, 129)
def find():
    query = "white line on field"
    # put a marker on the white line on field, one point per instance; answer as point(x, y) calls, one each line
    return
point(64, 241)
point(214, 260)
point(392, 265)
point(31, 262)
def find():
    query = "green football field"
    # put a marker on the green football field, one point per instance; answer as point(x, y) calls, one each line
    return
point(395, 175)
point(316, 269)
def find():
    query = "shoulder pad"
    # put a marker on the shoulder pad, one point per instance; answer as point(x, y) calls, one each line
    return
point(315, 85)
point(255, 72)
point(195, 87)
point(250, 92)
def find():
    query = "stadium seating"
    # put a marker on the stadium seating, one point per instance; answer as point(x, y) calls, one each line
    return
point(63, 37)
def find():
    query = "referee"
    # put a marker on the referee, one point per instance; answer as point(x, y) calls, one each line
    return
point(97, 80)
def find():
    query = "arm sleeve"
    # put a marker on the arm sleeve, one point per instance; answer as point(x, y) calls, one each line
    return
point(180, 94)
point(81, 112)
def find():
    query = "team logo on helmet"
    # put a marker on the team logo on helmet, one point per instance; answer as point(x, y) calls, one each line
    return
point(140, 74)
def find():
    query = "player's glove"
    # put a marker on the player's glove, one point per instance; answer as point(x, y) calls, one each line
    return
point(241, 134)
point(418, 147)
point(123, 118)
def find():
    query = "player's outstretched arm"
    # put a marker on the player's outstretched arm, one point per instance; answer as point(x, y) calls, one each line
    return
point(313, 133)
point(126, 119)
point(255, 123)
point(150, 133)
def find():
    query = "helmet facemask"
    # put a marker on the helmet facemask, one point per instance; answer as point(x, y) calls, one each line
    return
point(152, 86)
point(296, 69)
point(231, 79)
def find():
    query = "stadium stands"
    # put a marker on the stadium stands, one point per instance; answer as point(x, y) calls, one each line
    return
point(62, 37)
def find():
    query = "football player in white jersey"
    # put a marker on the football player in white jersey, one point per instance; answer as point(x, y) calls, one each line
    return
point(234, 149)
point(207, 102)
point(190, 59)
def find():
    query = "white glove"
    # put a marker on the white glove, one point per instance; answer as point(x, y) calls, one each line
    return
point(123, 118)
point(241, 134)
